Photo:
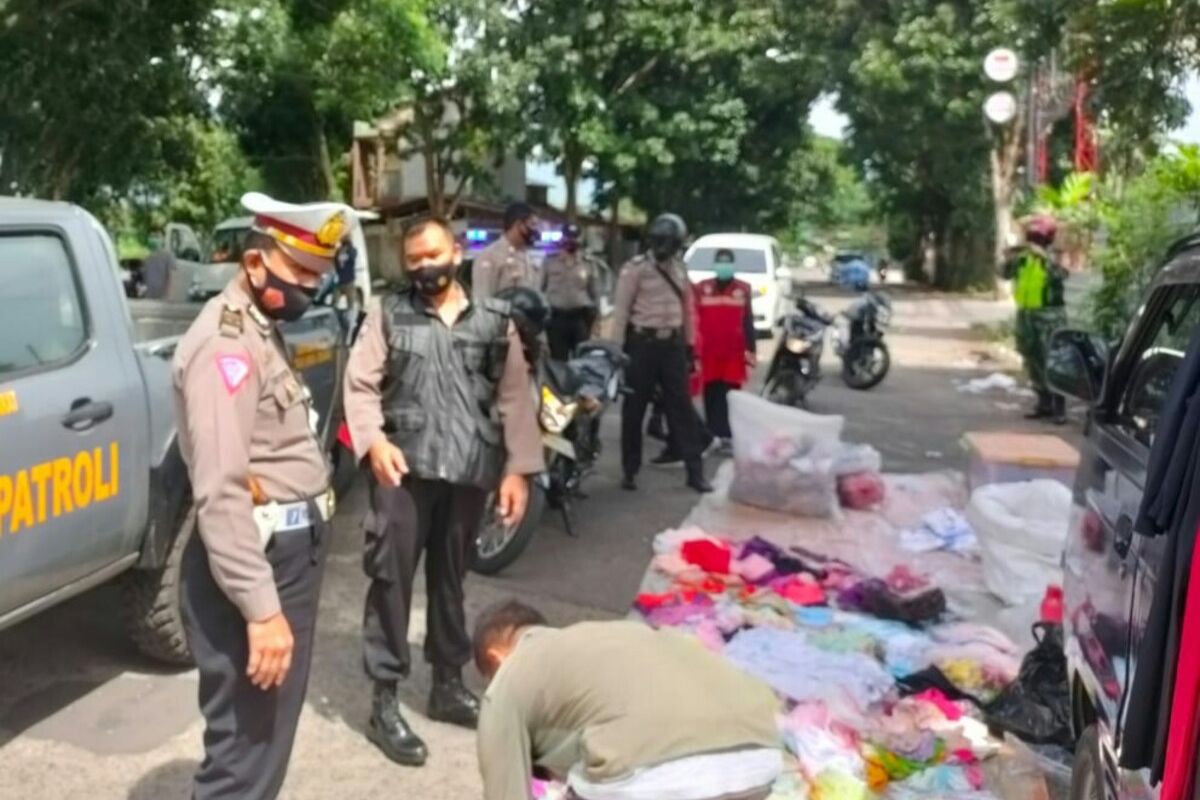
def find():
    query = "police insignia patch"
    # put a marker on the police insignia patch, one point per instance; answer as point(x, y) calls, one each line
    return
point(234, 370)
point(332, 230)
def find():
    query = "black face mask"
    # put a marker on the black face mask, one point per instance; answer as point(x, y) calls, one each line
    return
point(433, 279)
point(530, 235)
point(282, 300)
point(663, 248)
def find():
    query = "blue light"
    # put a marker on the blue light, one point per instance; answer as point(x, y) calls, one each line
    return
point(552, 236)
point(477, 235)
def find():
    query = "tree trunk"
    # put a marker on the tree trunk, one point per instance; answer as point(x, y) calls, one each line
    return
point(435, 189)
point(330, 189)
point(1005, 155)
point(572, 166)
point(614, 230)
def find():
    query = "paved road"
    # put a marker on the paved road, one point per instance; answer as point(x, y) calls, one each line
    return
point(82, 715)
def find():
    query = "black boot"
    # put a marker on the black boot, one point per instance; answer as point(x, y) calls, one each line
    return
point(629, 483)
point(667, 458)
point(389, 731)
point(1044, 408)
point(1059, 406)
point(450, 701)
point(695, 477)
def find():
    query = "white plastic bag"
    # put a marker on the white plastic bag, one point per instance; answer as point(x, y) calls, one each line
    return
point(1022, 528)
point(855, 458)
point(783, 457)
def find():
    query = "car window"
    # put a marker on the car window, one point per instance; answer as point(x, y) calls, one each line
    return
point(745, 259)
point(228, 244)
point(41, 314)
point(1150, 380)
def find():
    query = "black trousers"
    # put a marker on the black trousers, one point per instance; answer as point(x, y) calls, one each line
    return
point(249, 732)
point(567, 329)
point(716, 408)
point(663, 365)
point(442, 520)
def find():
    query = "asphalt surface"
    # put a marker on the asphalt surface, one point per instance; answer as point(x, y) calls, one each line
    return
point(83, 715)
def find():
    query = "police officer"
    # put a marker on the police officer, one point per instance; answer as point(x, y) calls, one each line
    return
point(251, 578)
point(439, 401)
point(654, 317)
point(505, 262)
point(571, 283)
point(1041, 310)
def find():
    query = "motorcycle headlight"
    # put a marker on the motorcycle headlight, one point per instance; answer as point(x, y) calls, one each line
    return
point(555, 415)
point(797, 345)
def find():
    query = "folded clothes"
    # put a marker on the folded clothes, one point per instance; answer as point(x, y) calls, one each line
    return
point(876, 597)
point(754, 568)
point(802, 591)
point(713, 557)
point(934, 678)
point(944, 529)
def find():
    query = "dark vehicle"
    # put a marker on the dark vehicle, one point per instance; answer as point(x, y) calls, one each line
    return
point(87, 420)
point(1109, 570)
point(573, 398)
point(795, 368)
point(850, 271)
point(865, 358)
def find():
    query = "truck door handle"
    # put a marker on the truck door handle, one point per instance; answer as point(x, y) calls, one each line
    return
point(85, 414)
point(1123, 538)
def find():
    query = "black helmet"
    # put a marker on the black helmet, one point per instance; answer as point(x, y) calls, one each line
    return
point(666, 235)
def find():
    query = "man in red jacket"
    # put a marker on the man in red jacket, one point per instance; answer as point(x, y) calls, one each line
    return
point(726, 326)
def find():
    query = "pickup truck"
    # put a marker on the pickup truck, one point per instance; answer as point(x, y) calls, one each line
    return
point(92, 485)
point(1109, 570)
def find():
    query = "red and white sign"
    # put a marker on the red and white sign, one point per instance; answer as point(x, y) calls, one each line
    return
point(1001, 65)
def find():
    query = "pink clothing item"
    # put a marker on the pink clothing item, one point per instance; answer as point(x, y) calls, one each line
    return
point(798, 589)
point(1183, 735)
point(944, 704)
point(754, 568)
point(713, 557)
point(860, 491)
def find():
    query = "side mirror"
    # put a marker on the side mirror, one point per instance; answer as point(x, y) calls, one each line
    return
point(1076, 363)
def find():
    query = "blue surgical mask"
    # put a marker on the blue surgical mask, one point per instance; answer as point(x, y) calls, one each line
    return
point(724, 272)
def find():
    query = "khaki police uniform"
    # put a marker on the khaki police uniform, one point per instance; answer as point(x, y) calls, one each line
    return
point(654, 318)
point(571, 283)
point(260, 484)
point(438, 508)
point(501, 266)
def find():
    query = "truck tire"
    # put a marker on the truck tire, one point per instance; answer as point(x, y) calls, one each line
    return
point(151, 600)
point(1088, 780)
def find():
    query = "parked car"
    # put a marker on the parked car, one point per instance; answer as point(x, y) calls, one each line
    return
point(92, 485)
point(1109, 571)
point(757, 261)
point(850, 271)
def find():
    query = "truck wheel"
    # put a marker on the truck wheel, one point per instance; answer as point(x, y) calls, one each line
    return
point(151, 599)
point(1087, 773)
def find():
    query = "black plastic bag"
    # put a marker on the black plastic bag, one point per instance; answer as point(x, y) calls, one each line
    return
point(1037, 706)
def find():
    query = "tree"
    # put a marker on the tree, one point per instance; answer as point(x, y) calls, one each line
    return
point(87, 88)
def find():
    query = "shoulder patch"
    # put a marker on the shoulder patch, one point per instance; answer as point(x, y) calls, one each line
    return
point(231, 324)
point(234, 369)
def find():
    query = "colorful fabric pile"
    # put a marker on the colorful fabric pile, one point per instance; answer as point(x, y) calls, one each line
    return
point(879, 694)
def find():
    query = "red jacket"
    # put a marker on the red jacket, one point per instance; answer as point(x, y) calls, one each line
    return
point(726, 328)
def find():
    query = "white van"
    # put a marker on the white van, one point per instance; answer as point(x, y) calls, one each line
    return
point(757, 260)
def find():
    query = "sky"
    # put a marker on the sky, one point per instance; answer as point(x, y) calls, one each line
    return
point(828, 121)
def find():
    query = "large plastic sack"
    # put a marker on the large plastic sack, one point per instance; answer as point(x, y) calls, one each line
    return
point(1022, 528)
point(853, 459)
point(783, 457)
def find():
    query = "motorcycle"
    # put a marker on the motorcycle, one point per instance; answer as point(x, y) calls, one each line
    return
point(795, 369)
point(572, 399)
point(865, 358)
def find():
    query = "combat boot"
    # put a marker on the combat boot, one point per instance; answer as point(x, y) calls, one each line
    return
point(1044, 408)
point(1059, 405)
point(390, 732)
point(450, 701)
point(695, 477)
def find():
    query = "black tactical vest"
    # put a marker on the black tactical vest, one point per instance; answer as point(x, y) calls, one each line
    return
point(439, 393)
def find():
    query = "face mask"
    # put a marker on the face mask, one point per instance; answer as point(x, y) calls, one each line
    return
point(663, 248)
point(531, 236)
point(281, 300)
point(724, 272)
point(431, 279)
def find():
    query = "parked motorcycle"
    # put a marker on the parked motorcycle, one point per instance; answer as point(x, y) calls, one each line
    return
point(572, 399)
point(795, 368)
point(865, 358)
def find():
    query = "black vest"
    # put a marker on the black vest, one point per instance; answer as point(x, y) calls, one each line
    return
point(439, 392)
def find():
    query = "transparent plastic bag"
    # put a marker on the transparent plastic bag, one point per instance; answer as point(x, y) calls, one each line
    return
point(853, 459)
point(783, 457)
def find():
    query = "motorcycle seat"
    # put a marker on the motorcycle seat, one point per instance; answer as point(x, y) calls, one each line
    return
point(563, 379)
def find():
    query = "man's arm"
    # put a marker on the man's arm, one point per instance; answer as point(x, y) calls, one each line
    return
point(220, 386)
point(623, 301)
point(514, 401)
point(505, 760)
point(484, 277)
point(689, 309)
point(364, 377)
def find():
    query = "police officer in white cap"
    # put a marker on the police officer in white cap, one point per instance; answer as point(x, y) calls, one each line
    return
point(260, 482)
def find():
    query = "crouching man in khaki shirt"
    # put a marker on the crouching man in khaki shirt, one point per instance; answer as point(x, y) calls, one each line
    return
point(619, 711)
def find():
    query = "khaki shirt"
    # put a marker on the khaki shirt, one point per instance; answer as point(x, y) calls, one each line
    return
point(242, 411)
point(613, 697)
point(571, 280)
point(501, 266)
point(644, 298)
point(367, 368)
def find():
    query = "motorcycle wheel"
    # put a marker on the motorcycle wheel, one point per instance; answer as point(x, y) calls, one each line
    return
point(785, 389)
point(496, 547)
point(865, 365)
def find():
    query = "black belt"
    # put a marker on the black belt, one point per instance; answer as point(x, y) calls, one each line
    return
point(655, 334)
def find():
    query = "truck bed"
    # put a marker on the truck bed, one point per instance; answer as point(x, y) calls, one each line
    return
point(157, 320)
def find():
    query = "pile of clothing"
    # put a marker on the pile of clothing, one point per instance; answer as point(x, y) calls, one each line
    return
point(880, 694)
